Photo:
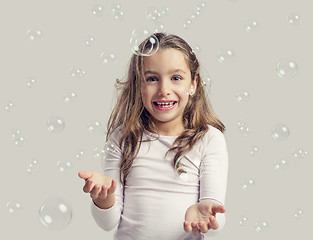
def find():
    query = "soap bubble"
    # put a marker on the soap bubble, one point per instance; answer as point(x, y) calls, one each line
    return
point(244, 129)
point(280, 164)
point(294, 19)
point(32, 165)
point(55, 213)
point(253, 150)
point(153, 14)
point(280, 132)
point(150, 46)
point(9, 106)
point(64, 166)
point(31, 82)
point(94, 126)
point(242, 96)
point(243, 220)
point(77, 72)
point(97, 10)
point(261, 226)
point(247, 184)
point(251, 25)
point(17, 137)
point(299, 153)
point(34, 34)
point(90, 40)
point(287, 69)
point(165, 11)
point(187, 22)
point(98, 153)
point(14, 207)
point(298, 213)
point(108, 57)
point(158, 27)
point(109, 150)
point(69, 96)
point(79, 154)
point(55, 124)
point(226, 56)
point(183, 170)
point(117, 11)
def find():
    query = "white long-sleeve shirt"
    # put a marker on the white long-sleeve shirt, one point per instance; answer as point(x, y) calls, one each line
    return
point(153, 203)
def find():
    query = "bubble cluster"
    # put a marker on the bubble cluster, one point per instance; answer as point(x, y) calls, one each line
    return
point(280, 132)
point(55, 213)
point(55, 124)
point(226, 56)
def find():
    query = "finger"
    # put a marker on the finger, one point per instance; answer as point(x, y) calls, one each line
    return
point(103, 192)
point(203, 227)
point(218, 209)
point(85, 174)
point(95, 191)
point(213, 222)
point(88, 186)
point(195, 230)
point(187, 226)
point(112, 187)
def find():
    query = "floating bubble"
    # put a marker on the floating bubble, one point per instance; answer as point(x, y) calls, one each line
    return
point(9, 106)
point(68, 97)
point(90, 40)
point(31, 82)
point(94, 126)
point(158, 27)
point(196, 50)
point(150, 42)
point(280, 164)
point(244, 129)
point(242, 96)
point(79, 155)
point(55, 213)
point(280, 132)
point(247, 184)
point(98, 153)
point(55, 124)
point(17, 138)
point(34, 34)
point(183, 171)
point(253, 150)
point(294, 19)
point(299, 153)
point(298, 213)
point(165, 11)
point(32, 165)
point(117, 11)
point(226, 56)
point(251, 25)
point(287, 69)
point(14, 207)
point(201, 5)
point(108, 57)
point(261, 226)
point(187, 23)
point(243, 220)
point(77, 72)
point(64, 166)
point(97, 10)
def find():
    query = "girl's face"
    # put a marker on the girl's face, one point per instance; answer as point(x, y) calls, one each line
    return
point(166, 88)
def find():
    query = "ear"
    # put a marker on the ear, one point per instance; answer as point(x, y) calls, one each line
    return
point(194, 83)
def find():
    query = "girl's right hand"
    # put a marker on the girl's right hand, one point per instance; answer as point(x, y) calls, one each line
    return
point(99, 186)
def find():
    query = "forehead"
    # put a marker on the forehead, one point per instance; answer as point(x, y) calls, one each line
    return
point(166, 59)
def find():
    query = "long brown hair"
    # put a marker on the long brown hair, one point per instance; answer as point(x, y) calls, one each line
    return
point(130, 114)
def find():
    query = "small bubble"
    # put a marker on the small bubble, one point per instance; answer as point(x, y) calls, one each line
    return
point(98, 153)
point(244, 129)
point(299, 153)
point(34, 34)
point(14, 207)
point(247, 184)
point(97, 10)
point(242, 96)
point(298, 213)
point(280, 164)
point(68, 97)
point(117, 12)
point(226, 56)
point(253, 151)
point(153, 14)
point(280, 132)
point(64, 166)
point(32, 165)
point(77, 72)
point(79, 154)
point(94, 126)
point(251, 25)
point(55, 124)
point(287, 69)
point(294, 19)
point(9, 106)
point(90, 40)
point(261, 226)
point(108, 57)
point(31, 82)
point(243, 220)
point(187, 23)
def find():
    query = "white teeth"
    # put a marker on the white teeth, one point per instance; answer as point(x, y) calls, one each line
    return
point(165, 104)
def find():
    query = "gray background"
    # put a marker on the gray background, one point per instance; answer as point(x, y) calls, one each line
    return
point(65, 27)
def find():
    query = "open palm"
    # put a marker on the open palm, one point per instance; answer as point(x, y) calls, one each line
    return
point(201, 217)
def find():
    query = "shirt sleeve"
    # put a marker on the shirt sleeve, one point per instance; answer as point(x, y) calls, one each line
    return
point(213, 174)
point(109, 218)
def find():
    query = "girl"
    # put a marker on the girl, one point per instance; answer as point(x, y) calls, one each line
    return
point(165, 169)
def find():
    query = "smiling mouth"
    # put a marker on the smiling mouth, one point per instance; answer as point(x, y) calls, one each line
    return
point(164, 105)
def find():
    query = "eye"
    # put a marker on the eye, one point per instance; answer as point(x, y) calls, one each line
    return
point(177, 78)
point(151, 79)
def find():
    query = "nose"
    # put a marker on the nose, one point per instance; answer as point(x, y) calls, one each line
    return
point(164, 88)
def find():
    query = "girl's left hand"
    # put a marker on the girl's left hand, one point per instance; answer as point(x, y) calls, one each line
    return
point(201, 217)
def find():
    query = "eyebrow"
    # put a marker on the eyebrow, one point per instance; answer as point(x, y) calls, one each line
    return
point(173, 71)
